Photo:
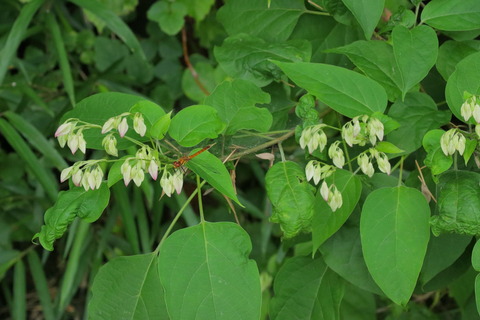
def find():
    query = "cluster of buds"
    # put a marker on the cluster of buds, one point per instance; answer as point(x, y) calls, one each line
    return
point(362, 129)
point(120, 123)
point(318, 172)
point(313, 137)
point(172, 181)
point(336, 154)
point(471, 108)
point(452, 141)
point(365, 158)
point(134, 168)
point(71, 134)
point(90, 176)
point(331, 195)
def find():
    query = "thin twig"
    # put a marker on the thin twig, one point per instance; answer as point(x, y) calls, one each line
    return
point(189, 65)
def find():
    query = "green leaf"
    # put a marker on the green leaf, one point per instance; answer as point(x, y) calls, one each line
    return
point(114, 173)
point(39, 171)
point(357, 304)
point(458, 203)
point(170, 16)
point(452, 52)
point(343, 254)
point(395, 232)
point(15, 37)
point(367, 13)
point(160, 127)
point(442, 252)
point(436, 160)
point(325, 222)
point(36, 139)
point(207, 76)
point(417, 114)
point(128, 288)
point(306, 288)
point(113, 22)
point(194, 124)
point(415, 54)
point(246, 57)
point(152, 113)
point(465, 78)
point(345, 91)
point(198, 9)
point(291, 196)
point(235, 102)
point(97, 109)
point(470, 147)
point(87, 205)
point(206, 273)
point(476, 256)
point(212, 170)
point(452, 15)
point(388, 147)
point(255, 18)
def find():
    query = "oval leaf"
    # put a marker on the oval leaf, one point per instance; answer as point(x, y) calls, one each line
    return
point(345, 91)
point(367, 13)
point(194, 124)
point(128, 288)
point(206, 273)
point(452, 15)
point(394, 230)
point(306, 288)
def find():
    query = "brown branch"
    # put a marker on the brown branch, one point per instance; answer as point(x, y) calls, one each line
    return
point(189, 65)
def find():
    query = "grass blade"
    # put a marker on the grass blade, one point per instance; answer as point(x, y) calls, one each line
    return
point(16, 34)
point(126, 211)
point(36, 139)
point(19, 303)
point(40, 281)
point(20, 146)
point(113, 22)
point(62, 56)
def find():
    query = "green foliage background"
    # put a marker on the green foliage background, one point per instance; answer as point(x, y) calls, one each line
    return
point(246, 73)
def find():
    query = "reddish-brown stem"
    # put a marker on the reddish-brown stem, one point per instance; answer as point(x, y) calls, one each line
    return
point(189, 65)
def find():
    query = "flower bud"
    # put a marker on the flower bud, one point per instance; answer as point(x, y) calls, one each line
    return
point(110, 145)
point(177, 180)
point(153, 169)
point(336, 154)
point(139, 124)
point(126, 171)
point(335, 200)
point(365, 164)
point(82, 144)
point(467, 109)
point(383, 163)
point(122, 127)
point(313, 137)
point(66, 173)
point(325, 191)
point(167, 184)
point(476, 113)
point(310, 170)
point(137, 174)
point(72, 142)
point(77, 177)
point(110, 124)
point(375, 130)
point(85, 178)
point(65, 129)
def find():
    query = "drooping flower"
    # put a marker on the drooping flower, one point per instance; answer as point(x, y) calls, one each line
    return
point(122, 127)
point(166, 183)
point(452, 141)
point(126, 171)
point(153, 169)
point(335, 200)
point(336, 154)
point(375, 130)
point(77, 177)
point(313, 137)
point(139, 124)
point(325, 191)
point(365, 164)
point(95, 177)
point(66, 173)
point(178, 180)
point(110, 145)
point(110, 124)
point(65, 129)
point(383, 163)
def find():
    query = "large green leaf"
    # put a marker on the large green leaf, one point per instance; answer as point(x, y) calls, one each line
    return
point(417, 114)
point(306, 288)
point(97, 109)
point(87, 205)
point(291, 196)
point(15, 37)
point(458, 203)
point(212, 170)
point(170, 16)
point(194, 124)
point(345, 91)
point(247, 57)
point(343, 254)
point(415, 54)
point(367, 13)
point(452, 52)
point(235, 102)
point(255, 18)
point(452, 15)
point(357, 304)
point(442, 252)
point(325, 222)
point(206, 273)
point(128, 288)
point(394, 228)
point(436, 160)
point(466, 77)
point(198, 9)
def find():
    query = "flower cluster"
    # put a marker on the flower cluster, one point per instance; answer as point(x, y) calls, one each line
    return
point(71, 135)
point(452, 141)
point(471, 108)
point(331, 195)
point(134, 168)
point(336, 154)
point(120, 123)
point(316, 171)
point(87, 174)
point(365, 158)
point(172, 181)
point(313, 137)
point(362, 129)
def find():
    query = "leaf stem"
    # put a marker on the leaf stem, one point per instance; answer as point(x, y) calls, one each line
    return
point(189, 65)
point(264, 145)
point(401, 171)
point(282, 154)
point(199, 195)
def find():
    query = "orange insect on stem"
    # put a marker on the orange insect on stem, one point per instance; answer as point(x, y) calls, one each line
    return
point(181, 161)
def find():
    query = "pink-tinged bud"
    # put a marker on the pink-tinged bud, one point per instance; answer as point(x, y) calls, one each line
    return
point(178, 181)
point(153, 169)
point(64, 129)
point(82, 144)
point(139, 124)
point(77, 178)
point(85, 179)
point(122, 127)
point(109, 125)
